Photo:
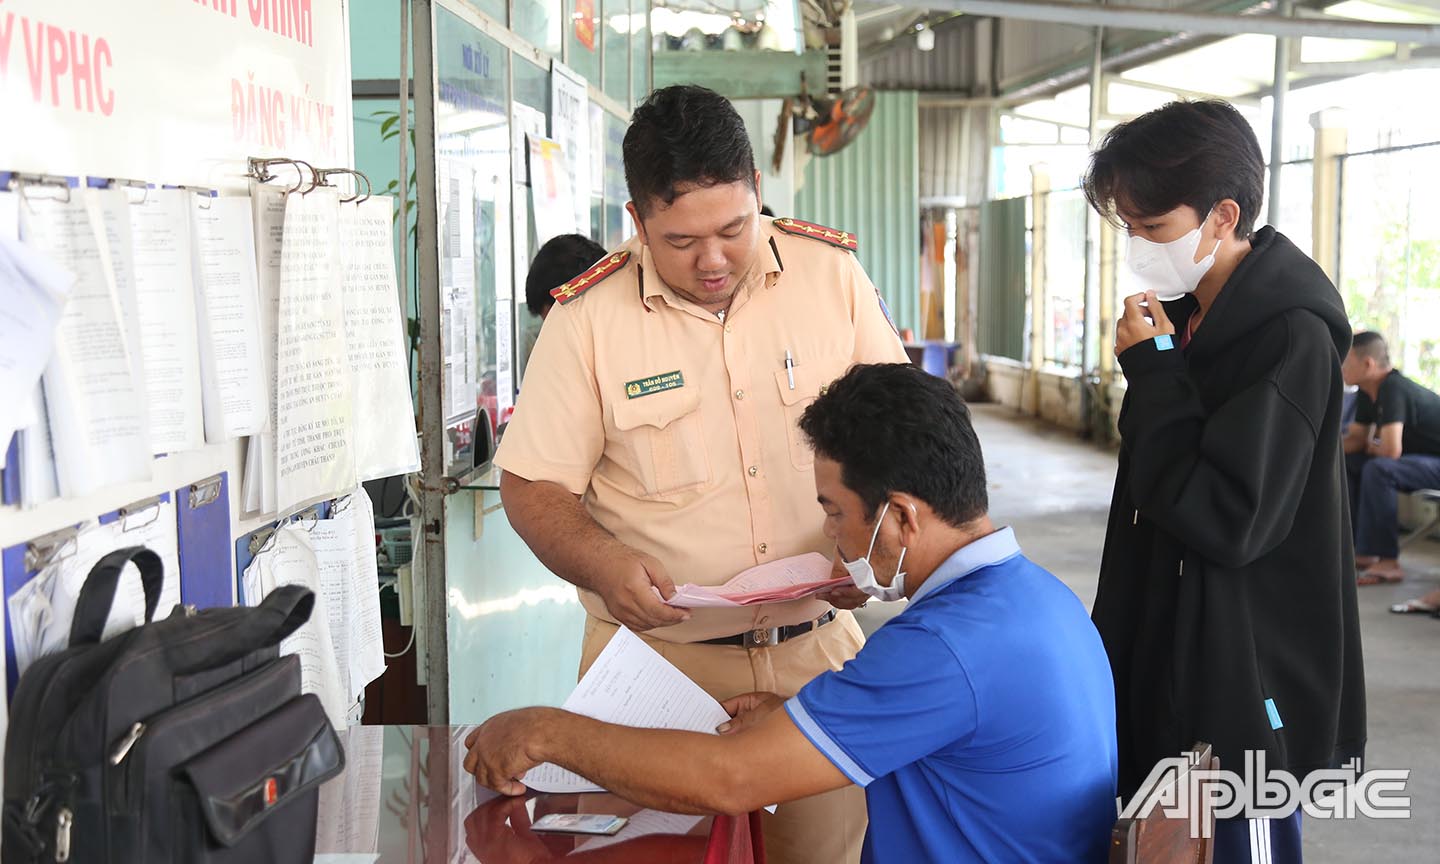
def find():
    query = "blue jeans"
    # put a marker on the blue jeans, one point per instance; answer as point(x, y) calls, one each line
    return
point(1374, 483)
point(1258, 841)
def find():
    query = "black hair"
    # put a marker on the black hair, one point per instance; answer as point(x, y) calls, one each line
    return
point(893, 427)
point(684, 136)
point(1371, 344)
point(561, 259)
point(766, 211)
point(1194, 153)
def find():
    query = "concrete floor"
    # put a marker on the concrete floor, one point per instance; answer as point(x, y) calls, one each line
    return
point(1054, 489)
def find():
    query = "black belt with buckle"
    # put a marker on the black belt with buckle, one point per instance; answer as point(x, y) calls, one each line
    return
point(764, 638)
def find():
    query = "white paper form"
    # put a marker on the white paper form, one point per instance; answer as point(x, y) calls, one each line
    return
point(96, 415)
point(165, 303)
point(35, 291)
point(384, 437)
point(42, 610)
point(231, 367)
point(630, 684)
point(367, 655)
point(349, 815)
point(349, 591)
point(314, 454)
point(268, 208)
point(291, 561)
point(460, 374)
point(114, 207)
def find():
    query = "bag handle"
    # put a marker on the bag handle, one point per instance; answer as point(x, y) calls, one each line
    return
point(281, 613)
point(97, 595)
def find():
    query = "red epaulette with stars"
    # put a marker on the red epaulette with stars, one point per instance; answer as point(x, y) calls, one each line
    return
point(603, 269)
point(842, 239)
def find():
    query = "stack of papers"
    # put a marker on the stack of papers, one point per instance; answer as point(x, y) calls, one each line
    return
point(630, 684)
point(776, 582)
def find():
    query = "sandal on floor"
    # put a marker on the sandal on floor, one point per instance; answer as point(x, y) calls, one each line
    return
point(1389, 577)
point(1414, 606)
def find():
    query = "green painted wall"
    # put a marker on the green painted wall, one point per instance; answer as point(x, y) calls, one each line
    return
point(872, 189)
point(1004, 270)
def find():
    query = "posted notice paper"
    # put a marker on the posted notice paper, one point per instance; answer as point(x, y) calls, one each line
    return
point(165, 307)
point(313, 429)
point(96, 410)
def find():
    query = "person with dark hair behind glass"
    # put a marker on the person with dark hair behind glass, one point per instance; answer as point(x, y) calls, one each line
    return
point(561, 259)
point(980, 720)
point(1227, 583)
point(655, 440)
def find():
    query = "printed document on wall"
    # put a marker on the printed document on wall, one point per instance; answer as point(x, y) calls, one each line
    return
point(570, 125)
point(384, 435)
point(268, 204)
point(42, 610)
point(96, 414)
point(35, 294)
point(231, 367)
point(314, 455)
point(460, 374)
point(114, 208)
point(549, 191)
point(165, 308)
point(291, 561)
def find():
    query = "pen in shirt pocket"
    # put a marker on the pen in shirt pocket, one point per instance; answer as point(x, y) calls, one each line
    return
point(789, 369)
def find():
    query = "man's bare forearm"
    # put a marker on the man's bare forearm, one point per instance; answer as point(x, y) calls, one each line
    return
point(558, 529)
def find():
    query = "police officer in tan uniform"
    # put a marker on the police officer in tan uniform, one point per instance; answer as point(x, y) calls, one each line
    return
point(655, 440)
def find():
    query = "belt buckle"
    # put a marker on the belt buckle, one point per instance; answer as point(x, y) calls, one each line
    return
point(762, 637)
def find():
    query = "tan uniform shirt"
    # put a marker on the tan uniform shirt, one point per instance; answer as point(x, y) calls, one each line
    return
point(680, 430)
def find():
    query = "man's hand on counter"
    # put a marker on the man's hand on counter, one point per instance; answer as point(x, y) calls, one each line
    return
point(501, 749)
point(629, 591)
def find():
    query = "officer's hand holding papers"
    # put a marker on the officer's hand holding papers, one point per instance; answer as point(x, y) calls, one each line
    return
point(630, 590)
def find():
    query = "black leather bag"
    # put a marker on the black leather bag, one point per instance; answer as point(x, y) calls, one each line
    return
point(182, 740)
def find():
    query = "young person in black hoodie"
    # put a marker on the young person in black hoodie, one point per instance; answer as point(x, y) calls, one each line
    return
point(1227, 585)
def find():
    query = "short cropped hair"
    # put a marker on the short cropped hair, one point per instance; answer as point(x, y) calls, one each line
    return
point(1194, 153)
point(684, 136)
point(1371, 344)
point(561, 259)
point(893, 427)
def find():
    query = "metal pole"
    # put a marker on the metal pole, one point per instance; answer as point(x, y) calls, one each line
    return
point(1280, 86)
point(1090, 322)
point(404, 175)
point(430, 542)
point(1080, 14)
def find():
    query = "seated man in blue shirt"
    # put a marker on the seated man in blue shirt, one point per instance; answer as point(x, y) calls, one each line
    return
point(980, 720)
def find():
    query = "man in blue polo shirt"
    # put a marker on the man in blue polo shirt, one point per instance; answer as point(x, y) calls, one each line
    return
point(980, 720)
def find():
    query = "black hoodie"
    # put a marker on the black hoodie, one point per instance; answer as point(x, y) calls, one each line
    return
point(1228, 577)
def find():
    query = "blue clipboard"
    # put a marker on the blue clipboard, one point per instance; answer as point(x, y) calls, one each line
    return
point(202, 514)
point(21, 563)
point(10, 476)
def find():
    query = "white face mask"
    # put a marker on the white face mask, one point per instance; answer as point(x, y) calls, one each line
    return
point(1170, 269)
point(863, 575)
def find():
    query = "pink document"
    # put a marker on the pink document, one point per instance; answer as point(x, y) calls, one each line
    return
point(786, 579)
